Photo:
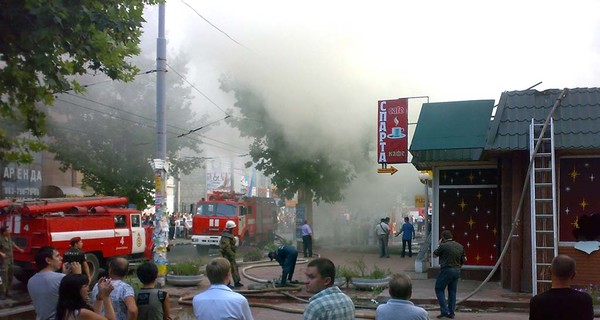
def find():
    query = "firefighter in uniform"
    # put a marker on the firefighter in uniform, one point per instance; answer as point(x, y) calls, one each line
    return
point(6, 261)
point(286, 256)
point(227, 246)
point(74, 254)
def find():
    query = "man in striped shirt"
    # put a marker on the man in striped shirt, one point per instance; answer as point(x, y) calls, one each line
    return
point(329, 302)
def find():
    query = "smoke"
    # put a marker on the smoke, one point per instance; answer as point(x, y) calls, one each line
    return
point(321, 67)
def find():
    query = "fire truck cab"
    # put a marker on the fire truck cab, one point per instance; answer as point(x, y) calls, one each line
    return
point(255, 219)
point(107, 227)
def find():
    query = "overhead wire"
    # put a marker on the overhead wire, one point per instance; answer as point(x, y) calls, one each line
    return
point(214, 26)
point(103, 81)
point(145, 125)
point(197, 90)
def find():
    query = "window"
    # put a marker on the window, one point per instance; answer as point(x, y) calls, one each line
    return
point(120, 221)
point(217, 209)
point(135, 221)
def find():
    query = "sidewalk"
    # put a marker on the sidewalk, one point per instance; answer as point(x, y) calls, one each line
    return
point(490, 297)
point(491, 294)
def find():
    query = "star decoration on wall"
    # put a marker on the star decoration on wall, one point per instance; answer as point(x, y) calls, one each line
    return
point(567, 211)
point(477, 257)
point(576, 223)
point(471, 222)
point(479, 195)
point(494, 231)
point(583, 204)
point(574, 174)
point(462, 205)
point(471, 177)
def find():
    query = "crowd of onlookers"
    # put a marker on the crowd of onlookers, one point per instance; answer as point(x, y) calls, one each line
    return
point(180, 224)
point(65, 295)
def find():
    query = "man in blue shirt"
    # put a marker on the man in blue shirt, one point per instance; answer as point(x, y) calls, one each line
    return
point(408, 234)
point(400, 290)
point(307, 239)
point(219, 301)
point(286, 256)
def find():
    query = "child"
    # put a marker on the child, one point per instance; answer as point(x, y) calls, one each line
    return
point(153, 304)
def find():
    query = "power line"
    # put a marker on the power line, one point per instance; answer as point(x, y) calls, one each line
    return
point(214, 26)
point(103, 81)
point(148, 126)
point(198, 90)
point(201, 127)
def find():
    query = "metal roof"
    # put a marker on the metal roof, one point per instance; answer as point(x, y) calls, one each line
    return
point(450, 132)
point(576, 120)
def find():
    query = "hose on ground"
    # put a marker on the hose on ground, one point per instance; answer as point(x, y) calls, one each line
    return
point(265, 264)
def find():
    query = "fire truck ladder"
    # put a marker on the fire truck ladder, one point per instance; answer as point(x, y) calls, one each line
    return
point(544, 240)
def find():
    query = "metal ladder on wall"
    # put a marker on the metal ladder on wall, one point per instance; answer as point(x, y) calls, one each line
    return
point(544, 240)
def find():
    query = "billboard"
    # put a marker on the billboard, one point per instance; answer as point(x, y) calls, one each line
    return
point(22, 181)
point(392, 123)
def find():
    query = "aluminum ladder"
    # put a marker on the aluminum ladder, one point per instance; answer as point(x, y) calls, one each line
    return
point(544, 221)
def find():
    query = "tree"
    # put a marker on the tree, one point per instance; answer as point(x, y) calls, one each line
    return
point(313, 174)
point(110, 134)
point(43, 44)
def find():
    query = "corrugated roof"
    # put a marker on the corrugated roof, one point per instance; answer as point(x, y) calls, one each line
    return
point(576, 120)
point(450, 132)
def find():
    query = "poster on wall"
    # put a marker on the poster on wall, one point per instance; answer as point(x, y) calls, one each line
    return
point(468, 207)
point(218, 175)
point(579, 205)
point(22, 181)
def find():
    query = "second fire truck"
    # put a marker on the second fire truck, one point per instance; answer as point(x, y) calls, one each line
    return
point(255, 219)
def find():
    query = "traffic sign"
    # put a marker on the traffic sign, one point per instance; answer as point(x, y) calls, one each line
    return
point(391, 170)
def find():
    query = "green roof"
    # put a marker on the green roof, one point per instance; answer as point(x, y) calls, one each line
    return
point(450, 132)
point(576, 120)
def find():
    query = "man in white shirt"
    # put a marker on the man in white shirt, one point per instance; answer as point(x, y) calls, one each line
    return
point(219, 301)
point(382, 230)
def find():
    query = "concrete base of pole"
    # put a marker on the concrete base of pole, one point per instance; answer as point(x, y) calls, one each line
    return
point(420, 266)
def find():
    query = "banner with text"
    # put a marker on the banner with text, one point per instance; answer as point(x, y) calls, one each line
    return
point(392, 122)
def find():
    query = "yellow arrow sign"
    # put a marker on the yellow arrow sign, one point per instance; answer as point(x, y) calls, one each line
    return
point(391, 170)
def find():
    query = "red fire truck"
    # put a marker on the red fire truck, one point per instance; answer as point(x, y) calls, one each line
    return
point(255, 219)
point(107, 227)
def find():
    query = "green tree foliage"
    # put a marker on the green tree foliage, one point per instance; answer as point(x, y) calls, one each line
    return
point(109, 134)
point(43, 44)
point(312, 173)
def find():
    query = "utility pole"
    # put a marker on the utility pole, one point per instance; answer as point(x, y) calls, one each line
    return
point(159, 164)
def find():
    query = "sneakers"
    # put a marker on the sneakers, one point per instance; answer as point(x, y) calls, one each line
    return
point(238, 284)
point(444, 315)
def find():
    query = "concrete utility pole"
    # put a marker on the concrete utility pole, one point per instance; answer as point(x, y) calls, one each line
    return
point(159, 165)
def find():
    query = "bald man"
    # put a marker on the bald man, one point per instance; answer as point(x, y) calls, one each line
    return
point(123, 296)
point(561, 302)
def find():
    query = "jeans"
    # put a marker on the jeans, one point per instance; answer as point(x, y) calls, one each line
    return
point(448, 277)
point(404, 243)
point(383, 245)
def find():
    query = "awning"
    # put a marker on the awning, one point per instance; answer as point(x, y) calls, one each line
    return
point(53, 191)
point(450, 132)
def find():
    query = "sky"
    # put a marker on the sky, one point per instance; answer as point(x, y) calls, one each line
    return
point(325, 64)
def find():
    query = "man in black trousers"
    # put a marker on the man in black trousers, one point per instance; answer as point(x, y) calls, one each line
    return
point(286, 256)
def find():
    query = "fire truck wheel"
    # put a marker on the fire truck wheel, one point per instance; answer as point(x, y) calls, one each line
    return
point(202, 250)
point(94, 265)
point(24, 276)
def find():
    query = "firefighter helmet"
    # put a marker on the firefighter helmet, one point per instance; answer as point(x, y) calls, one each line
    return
point(230, 225)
